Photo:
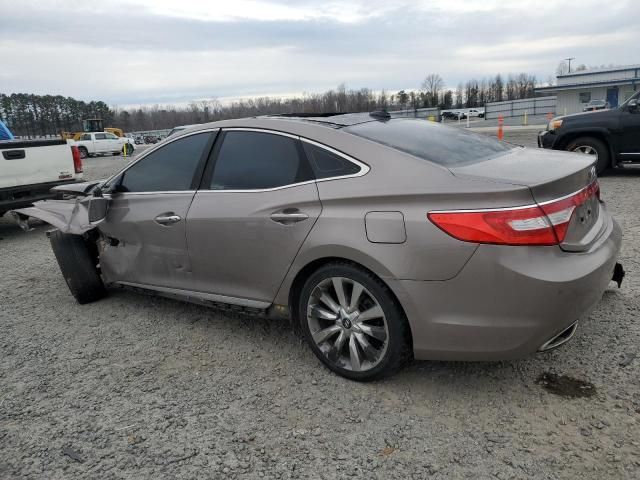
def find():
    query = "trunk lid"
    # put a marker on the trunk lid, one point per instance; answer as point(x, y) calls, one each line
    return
point(550, 175)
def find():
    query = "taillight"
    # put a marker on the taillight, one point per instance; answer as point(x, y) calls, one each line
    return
point(544, 224)
point(77, 159)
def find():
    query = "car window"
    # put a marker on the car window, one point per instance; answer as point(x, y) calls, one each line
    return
point(86, 136)
point(431, 141)
point(101, 136)
point(326, 164)
point(111, 136)
point(170, 168)
point(257, 160)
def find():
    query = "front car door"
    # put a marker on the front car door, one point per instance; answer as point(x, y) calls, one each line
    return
point(113, 142)
point(630, 127)
point(101, 144)
point(145, 222)
point(257, 203)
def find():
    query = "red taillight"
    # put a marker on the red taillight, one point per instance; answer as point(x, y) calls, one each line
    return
point(544, 224)
point(77, 159)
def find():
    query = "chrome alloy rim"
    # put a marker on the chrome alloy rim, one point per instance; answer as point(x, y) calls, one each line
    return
point(347, 324)
point(586, 149)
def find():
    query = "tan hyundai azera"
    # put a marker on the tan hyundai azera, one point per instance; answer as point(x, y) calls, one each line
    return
point(384, 239)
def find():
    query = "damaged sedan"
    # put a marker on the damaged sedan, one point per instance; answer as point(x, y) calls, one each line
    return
point(383, 239)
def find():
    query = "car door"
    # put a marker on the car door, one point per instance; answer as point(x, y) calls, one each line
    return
point(113, 142)
point(630, 128)
point(145, 221)
point(101, 144)
point(257, 203)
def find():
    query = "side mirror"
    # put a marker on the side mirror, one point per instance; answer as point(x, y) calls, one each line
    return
point(633, 105)
point(98, 207)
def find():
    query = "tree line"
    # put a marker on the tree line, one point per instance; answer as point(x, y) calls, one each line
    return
point(39, 115)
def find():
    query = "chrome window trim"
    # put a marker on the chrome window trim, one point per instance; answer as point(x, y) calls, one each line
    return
point(163, 192)
point(162, 144)
point(364, 168)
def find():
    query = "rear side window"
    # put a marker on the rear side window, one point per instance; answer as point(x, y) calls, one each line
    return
point(327, 164)
point(431, 141)
point(101, 136)
point(256, 160)
point(170, 168)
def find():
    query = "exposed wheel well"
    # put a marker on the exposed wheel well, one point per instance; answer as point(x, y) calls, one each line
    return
point(307, 271)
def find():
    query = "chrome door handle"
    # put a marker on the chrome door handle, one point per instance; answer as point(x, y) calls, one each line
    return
point(167, 219)
point(286, 218)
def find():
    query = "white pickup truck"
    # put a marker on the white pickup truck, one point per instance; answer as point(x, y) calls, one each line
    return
point(102, 143)
point(30, 168)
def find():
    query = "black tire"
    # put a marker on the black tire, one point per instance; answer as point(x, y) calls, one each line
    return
point(603, 161)
point(399, 345)
point(127, 149)
point(84, 153)
point(78, 266)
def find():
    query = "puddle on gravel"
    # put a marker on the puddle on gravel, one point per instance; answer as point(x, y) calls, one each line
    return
point(566, 386)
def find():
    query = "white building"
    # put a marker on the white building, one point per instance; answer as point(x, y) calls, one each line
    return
point(574, 90)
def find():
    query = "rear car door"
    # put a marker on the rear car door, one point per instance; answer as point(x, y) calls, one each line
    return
point(257, 203)
point(145, 222)
point(113, 142)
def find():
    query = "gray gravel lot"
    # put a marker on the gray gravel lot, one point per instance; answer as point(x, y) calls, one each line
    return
point(137, 387)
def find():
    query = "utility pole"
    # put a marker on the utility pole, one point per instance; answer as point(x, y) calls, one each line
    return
point(569, 60)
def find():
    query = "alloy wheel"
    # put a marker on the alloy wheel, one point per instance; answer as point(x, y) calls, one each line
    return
point(586, 149)
point(347, 324)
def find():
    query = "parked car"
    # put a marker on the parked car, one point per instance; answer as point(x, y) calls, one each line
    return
point(383, 238)
point(475, 112)
point(150, 139)
point(596, 105)
point(30, 168)
point(611, 137)
point(139, 140)
point(101, 143)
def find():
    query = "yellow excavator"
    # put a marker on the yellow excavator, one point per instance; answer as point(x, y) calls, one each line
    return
point(92, 125)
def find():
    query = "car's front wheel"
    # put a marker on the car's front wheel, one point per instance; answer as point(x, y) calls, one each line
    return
point(594, 147)
point(353, 323)
point(78, 266)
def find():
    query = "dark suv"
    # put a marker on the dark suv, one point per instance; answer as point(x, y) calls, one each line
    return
point(612, 136)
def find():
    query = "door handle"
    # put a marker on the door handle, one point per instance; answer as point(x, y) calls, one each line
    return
point(167, 219)
point(286, 217)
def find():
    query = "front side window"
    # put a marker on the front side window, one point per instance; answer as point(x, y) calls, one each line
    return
point(256, 160)
point(101, 136)
point(111, 136)
point(170, 168)
point(327, 164)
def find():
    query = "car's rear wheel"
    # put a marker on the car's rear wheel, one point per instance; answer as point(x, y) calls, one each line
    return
point(84, 153)
point(78, 266)
point(353, 323)
point(594, 147)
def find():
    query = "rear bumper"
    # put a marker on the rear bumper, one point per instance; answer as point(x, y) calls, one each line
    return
point(25, 195)
point(507, 302)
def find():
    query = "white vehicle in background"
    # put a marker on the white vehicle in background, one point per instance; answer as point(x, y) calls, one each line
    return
point(475, 112)
point(102, 143)
point(30, 168)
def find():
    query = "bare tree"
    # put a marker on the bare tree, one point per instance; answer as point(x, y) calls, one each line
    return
point(431, 86)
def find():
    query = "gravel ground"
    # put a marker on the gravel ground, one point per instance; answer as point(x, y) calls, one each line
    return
point(137, 387)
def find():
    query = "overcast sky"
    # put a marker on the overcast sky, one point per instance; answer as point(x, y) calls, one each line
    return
point(172, 51)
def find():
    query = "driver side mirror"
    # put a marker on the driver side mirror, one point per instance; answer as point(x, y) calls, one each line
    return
point(633, 105)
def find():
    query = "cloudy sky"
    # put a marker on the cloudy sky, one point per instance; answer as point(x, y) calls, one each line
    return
point(172, 51)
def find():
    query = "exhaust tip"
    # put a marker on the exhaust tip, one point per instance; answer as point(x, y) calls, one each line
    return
point(560, 339)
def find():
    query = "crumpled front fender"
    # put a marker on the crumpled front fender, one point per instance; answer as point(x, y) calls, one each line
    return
point(76, 215)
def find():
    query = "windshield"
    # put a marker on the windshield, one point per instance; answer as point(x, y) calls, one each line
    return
point(431, 141)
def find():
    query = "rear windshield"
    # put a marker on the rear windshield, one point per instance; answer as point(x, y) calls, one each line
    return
point(431, 141)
